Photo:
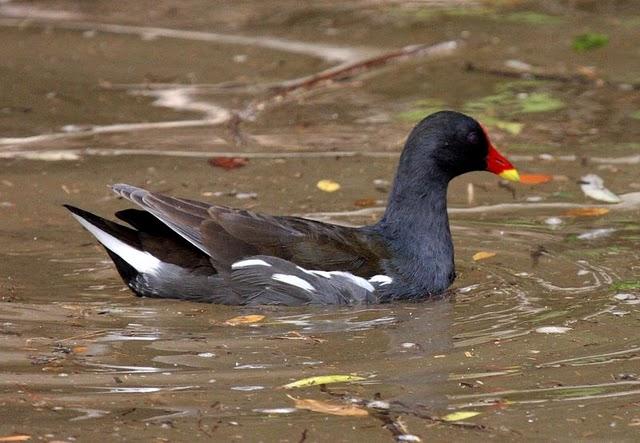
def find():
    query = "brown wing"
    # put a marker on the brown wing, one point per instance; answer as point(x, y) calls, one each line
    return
point(228, 235)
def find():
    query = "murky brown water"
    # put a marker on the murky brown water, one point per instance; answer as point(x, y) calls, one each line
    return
point(85, 104)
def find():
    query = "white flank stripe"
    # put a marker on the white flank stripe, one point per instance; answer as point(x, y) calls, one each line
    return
point(247, 263)
point(353, 278)
point(382, 279)
point(142, 261)
point(294, 281)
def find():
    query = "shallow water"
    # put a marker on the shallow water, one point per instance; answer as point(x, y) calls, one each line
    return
point(540, 340)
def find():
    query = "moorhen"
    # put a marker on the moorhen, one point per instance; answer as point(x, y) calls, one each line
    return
point(185, 249)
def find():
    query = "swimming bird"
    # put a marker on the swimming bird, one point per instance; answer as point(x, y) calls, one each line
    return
point(185, 249)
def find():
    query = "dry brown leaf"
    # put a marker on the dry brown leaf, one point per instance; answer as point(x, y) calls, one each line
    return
point(228, 162)
point(79, 349)
point(244, 320)
point(587, 212)
point(535, 179)
point(328, 408)
point(483, 255)
point(16, 437)
point(328, 185)
point(365, 202)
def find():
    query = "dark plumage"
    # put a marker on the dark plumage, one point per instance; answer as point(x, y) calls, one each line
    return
point(180, 248)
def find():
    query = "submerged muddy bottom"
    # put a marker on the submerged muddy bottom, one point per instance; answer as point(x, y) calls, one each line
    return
point(536, 342)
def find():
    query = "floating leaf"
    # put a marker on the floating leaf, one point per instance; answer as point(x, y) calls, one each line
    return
point(228, 162)
point(365, 202)
point(540, 102)
point(513, 128)
point(535, 179)
point(589, 41)
point(16, 437)
point(483, 255)
point(244, 320)
point(587, 212)
point(328, 185)
point(593, 187)
point(626, 285)
point(460, 415)
point(322, 380)
point(328, 408)
point(79, 349)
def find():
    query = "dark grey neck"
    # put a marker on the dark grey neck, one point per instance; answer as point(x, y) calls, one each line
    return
point(416, 226)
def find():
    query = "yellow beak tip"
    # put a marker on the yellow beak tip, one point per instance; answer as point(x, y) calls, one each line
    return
point(510, 174)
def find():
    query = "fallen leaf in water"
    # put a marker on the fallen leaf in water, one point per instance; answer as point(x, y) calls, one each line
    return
point(587, 212)
point(483, 255)
point(512, 128)
point(322, 380)
point(460, 415)
point(589, 41)
point(535, 179)
point(79, 349)
point(228, 162)
point(328, 185)
point(365, 202)
point(328, 408)
point(244, 320)
point(593, 187)
point(16, 437)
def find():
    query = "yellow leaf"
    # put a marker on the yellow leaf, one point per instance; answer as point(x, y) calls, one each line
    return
point(587, 212)
point(244, 320)
point(460, 415)
point(328, 408)
point(16, 437)
point(322, 380)
point(482, 255)
point(328, 185)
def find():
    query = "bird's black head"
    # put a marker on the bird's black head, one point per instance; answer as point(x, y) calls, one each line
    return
point(447, 144)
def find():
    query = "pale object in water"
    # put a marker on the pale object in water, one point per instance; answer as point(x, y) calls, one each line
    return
point(593, 187)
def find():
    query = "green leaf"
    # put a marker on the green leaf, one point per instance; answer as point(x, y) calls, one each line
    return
point(589, 41)
point(626, 285)
point(540, 102)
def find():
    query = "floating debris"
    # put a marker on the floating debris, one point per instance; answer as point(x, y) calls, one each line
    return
point(589, 41)
point(460, 415)
point(596, 233)
point(244, 320)
point(587, 212)
point(247, 388)
point(593, 187)
point(322, 380)
point(552, 329)
point(328, 185)
point(553, 221)
point(482, 255)
point(228, 163)
point(329, 408)
point(535, 179)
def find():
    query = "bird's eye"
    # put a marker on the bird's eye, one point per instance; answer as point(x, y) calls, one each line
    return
point(473, 138)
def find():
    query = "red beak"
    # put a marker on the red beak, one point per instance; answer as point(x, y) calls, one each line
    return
point(499, 165)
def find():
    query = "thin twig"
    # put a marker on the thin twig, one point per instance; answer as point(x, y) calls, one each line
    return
point(537, 74)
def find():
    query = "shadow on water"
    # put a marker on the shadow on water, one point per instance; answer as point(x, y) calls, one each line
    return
point(538, 339)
